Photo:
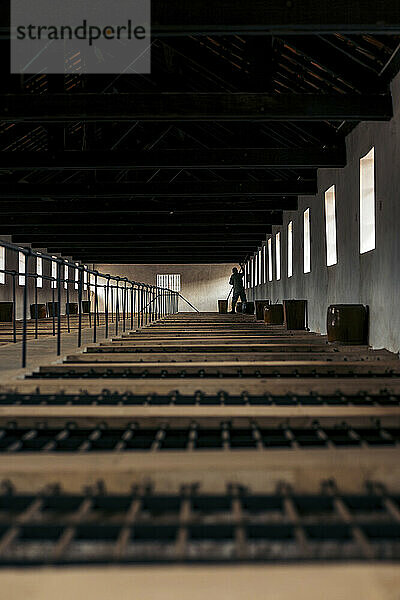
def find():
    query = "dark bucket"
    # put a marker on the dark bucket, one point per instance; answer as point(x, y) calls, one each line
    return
point(273, 314)
point(295, 313)
point(40, 309)
point(348, 324)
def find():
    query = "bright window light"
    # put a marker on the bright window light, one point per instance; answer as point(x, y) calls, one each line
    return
point(265, 263)
point(39, 271)
point(269, 259)
point(330, 225)
point(367, 202)
point(260, 267)
point(290, 249)
point(85, 278)
point(307, 241)
point(54, 273)
point(257, 269)
point(21, 268)
point(76, 277)
point(66, 275)
point(2, 264)
point(278, 255)
point(170, 281)
point(92, 281)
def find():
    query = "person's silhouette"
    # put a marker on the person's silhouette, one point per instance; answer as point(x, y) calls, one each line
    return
point(236, 281)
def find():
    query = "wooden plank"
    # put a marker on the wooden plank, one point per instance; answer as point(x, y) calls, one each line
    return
point(137, 358)
point(120, 346)
point(284, 582)
point(227, 369)
point(302, 416)
point(233, 386)
point(304, 470)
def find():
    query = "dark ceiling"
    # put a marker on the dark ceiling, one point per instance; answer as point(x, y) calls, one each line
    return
point(114, 169)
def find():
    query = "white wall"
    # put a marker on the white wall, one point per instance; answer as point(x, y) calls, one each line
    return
point(372, 278)
point(202, 284)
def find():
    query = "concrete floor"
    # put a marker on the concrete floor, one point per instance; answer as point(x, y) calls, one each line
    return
point(43, 351)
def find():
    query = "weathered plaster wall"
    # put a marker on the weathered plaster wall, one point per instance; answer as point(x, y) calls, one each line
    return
point(202, 284)
point(372, 278)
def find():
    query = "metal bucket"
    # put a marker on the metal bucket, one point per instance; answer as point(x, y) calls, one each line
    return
point(6, 312)
point(223, 307)
point(52, 309)
point(40, 309)
point(295, 313)
point(347, 324)
point(86, 306)
point(248, 308)
point(260, 308)
point(273, 314)
point(72, 307)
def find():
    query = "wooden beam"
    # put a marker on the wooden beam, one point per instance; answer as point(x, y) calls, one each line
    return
point(199, 245)
point(183, 106)
point(135, 221)
point(37, 239)
point(227, 16)
point(180, 207)
point(217, 158)
point(222, 17)
point(198, 189)
point(262, 471)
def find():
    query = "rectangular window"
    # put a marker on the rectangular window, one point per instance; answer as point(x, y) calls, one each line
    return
point(269, 259)
point(66, 275)
point(39, 271)
point(245, 275)
point(265, 263)
point(307, 241)
point(92, 281)
point(21, 268)
point(54, 273)
point(256, 270)
point(260, 267)
point(367, 202)
point(170, 281)
point(2, 264)
point(85, 278)
point(278, 255)
point(330, 225)
point(290, 249)
point(76, 277)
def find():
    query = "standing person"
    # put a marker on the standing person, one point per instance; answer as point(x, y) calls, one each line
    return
point(238, 288)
